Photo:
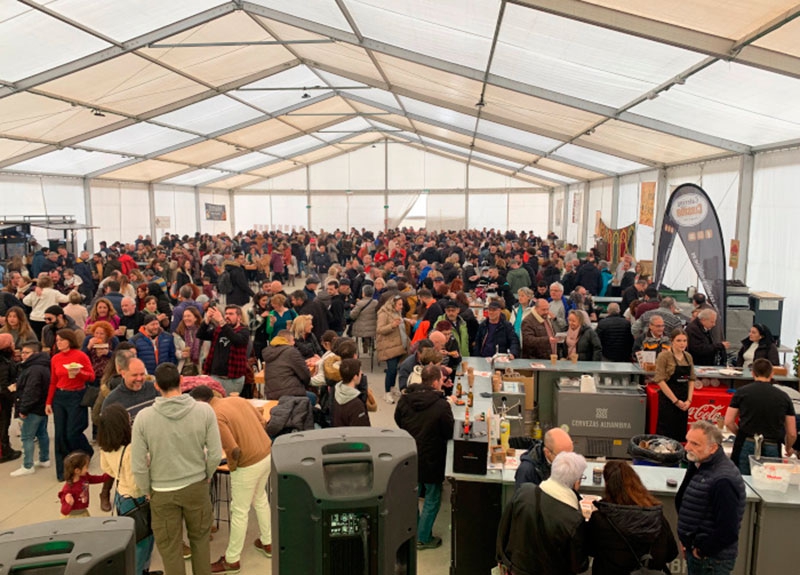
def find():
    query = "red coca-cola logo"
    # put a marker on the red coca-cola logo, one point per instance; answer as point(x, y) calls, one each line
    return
point(708, 411)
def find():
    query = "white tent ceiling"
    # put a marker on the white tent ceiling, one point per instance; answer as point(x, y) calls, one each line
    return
point(226, 94)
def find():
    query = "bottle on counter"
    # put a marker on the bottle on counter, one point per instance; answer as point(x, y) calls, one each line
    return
point(505, 433)
point(537, 431)
point(459, 389)
point(466, 429)
point(469, 398)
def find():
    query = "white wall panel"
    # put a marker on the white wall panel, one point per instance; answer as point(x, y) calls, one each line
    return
point(574, 213)
point(528, 212)
point(488, 211)
point(328, 212)
point(367, 168)
point(333, 174)
point(252, 211)
point(289, 211)
point(365, 211)
point(600, 199)
point(480, 178)
point(406, 168)
point(445, 212)
point(557, 207)
point(179, 205)
point(120, 211)
point(209, 196)
point(444, 173)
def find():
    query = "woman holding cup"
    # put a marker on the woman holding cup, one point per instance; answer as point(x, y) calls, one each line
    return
point(70, 369)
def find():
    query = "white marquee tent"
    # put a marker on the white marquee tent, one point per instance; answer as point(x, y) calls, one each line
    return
point(534, 114)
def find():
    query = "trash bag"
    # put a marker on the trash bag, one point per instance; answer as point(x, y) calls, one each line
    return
point(656, 449)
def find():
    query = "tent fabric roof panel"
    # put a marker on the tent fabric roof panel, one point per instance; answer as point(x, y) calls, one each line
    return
point(311, 117)
point(235, 182)
point(125, 20)
point(785, 39)
point(127, 84)
point(521, 137)
point(581, 60)
point(142, 139)
point(272, 99)
point(32, 42)
point(438, 113)
point(276, 168)
point(146, 171)
point(32, 116)
point(732, 101)
point(219, 65)
point(339, 55)
point(504, 151)
point(455, 30)
point(244, 162)
point(194, 178)
point(260, 134)
point(317, 155)
point(293, 146)
point(322, 11)
point(208, 116)
point(13, 148)
point(646, 143)
point(567, 169)
point(69, 161)
point(603, 161)
point(201, 153)
point(726, 18)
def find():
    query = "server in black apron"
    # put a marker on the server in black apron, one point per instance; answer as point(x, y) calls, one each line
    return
point(675, 377)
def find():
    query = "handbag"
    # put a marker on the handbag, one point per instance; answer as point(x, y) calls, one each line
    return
point(372, 404)
point(90, 396)
point(643, 561)
point(140, 513)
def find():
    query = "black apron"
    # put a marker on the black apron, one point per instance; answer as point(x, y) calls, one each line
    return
point(672, 420)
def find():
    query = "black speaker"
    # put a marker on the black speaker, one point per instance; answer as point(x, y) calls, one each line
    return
point(85, 546)
point(344, 502)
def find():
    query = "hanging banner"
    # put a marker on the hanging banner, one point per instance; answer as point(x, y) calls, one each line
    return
point(618, 242)
point(577, 206)
point(691, 216)
point(647, 202)
point(733, 258)
point(216, 212)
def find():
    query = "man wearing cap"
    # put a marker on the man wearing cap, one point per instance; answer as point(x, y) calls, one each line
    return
point(55, 319)
point(496, 334)
point(312, 283)
point(460, 333)
point(154, 346)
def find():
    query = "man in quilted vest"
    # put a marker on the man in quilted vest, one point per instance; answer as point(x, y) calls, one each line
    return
point(710, 503)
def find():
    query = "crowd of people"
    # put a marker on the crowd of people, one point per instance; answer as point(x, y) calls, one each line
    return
point(124, 326)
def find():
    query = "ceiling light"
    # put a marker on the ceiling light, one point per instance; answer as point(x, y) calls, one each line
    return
point(305, 95)
point(98, 113)
point(481, 103)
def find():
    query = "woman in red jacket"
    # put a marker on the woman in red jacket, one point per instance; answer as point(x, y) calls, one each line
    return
point(70, 369)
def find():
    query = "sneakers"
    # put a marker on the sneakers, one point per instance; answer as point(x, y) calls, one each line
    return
point(222, 566)
point(434, 543)
point(43, 463)
point(22, 471)
point(10, 456)
point(187, 551)
point(388, 398)
point(265, 549)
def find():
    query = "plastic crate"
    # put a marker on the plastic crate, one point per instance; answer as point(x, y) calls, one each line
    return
point(774, 473)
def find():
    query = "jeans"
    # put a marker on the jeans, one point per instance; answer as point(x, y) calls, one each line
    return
point(169, 510)
point(70, 420)
point(248, 487)
point(35, 426)
point(144, 548)
point(430, 508)
point(391, 373)
point(230, 386)
point(749, 448)
point(708, 565)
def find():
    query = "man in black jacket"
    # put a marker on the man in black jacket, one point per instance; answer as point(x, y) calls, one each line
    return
point(241, 293)
point(495, 334)
point(336, 319)
point(425, 414)
point(615, 335)
point(702, 347)
point(8, 378)
point(32, 387)
point(534, 465)
point(304, 306)
point(350, 410)
point(543, 530)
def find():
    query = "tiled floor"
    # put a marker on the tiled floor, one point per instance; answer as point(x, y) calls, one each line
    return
point(34, 498)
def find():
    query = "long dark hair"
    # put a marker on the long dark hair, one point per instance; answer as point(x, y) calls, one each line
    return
point(624, 487)
point(113, 428)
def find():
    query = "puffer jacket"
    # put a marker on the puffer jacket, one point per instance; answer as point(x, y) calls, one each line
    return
point(645, 528)
point(389, 342)
point(290, 415)
point(364, 316)
point(33, 384)
point(147, 352)
point(285, 371)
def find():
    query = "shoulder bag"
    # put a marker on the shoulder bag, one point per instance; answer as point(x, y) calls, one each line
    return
point(140, 513)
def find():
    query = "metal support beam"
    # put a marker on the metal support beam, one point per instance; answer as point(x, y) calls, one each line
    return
point(308, 197)
point(743, 214)
point(198, 211)
point(87, 209)
point(231, 212)
point(564, 214)
point(466, 198)
point(584, 235)
point(151, 198)
point(662, 194)
point(550, 207)
point(615, 203)
point(385, 185)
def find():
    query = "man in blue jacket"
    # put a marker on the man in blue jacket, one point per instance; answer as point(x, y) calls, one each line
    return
point(495, 335)
point(154, 346)
point(710, 503)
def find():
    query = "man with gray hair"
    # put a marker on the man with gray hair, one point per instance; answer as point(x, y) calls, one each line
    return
point(667, 310)
point(186, 299)
point(559, 306)
point(130, 321)
point(710, 503)
point(702, 347)
point(542, 529)
point(615, 335)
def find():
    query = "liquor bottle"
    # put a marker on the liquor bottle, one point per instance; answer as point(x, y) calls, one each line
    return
point(459, 389)
point(505, 433)
point(469, 397)
point(466, 430)
point(537, 431)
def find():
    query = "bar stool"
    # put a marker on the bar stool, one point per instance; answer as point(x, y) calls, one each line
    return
point(221, 493)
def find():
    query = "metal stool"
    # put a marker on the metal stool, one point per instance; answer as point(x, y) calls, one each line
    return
point(221, 493)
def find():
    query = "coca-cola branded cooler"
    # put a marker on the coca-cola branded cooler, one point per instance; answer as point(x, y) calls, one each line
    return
point(708, 403)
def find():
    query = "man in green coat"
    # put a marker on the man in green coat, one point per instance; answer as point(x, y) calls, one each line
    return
point(517, 278)
point(451, 311)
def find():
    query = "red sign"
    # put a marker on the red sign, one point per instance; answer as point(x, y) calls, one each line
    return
point(708, 403)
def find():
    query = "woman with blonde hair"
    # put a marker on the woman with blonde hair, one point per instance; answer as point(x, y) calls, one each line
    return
point(280, 317)
point(304, 339)
point(41, 298)
point(103, 310)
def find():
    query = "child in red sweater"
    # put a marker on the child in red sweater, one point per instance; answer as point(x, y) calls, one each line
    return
point(74, 495)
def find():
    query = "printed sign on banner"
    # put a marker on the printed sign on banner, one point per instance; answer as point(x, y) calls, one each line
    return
point(216, 212)
point(733, 259)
